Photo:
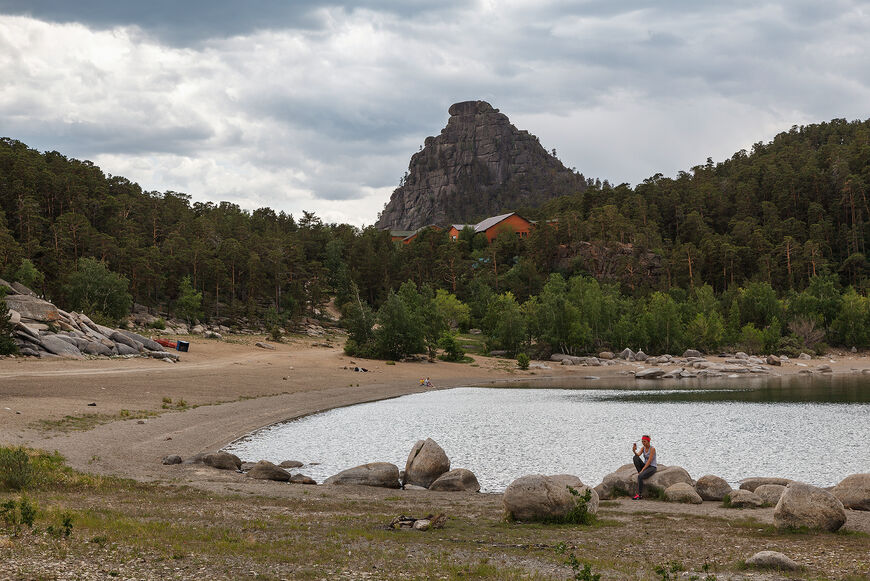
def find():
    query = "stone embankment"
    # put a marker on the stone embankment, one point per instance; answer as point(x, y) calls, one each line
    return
point(45, 331)
point(692, 364)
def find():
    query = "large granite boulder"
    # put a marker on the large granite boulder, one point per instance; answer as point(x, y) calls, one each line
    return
point(854, 491)
point(32, 308)
point(426, 462)
point(802, 505)
point(537, 498)
point(682, 492)
point(624, 480)
point(265, 470)
point(222, 461)
point(744, 499)
point(710, 487)
point(751, 484)
point(149, 344)
point(770, 493)
point(380, 474)
point(456, 480)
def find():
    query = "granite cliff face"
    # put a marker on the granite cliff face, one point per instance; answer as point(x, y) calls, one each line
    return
point(480, 165)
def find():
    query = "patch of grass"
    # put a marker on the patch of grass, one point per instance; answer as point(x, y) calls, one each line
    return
point(85, 422)
point(726, 501)
point(15, 469)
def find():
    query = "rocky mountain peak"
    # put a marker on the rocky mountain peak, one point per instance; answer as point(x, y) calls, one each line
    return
point(480, 165)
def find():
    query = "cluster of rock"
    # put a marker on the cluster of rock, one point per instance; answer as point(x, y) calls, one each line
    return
point(262, 470)
point(797, 505)
point(43, 330)
point(427, 468)
point(143, 317)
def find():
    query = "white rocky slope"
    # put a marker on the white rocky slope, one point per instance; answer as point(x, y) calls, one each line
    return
point(43, 330)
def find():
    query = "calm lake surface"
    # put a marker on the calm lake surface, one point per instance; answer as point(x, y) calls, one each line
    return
point(815, 430)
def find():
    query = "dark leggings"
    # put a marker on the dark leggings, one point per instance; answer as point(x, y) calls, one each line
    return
point(641, 476)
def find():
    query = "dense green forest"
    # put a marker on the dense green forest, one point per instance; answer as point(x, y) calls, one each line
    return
point(765, 250)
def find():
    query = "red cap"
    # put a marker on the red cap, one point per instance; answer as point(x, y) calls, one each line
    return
point(645, 438)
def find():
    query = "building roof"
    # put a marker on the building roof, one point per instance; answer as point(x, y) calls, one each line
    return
point(490, 222)
point(402, 233)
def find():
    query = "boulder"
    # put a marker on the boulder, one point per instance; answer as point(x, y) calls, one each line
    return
point(854, 491)
point(14, 317)
point(171, 459)
point(265, 470)
point(804, 356)
point(802, 505)
point(222, 461)
point(770, 493)
point(574, 482)
point(745, 499)
point(302, 479)
point(212, 335)
point(291, 464)
point(381, 474)
point(711, 487)
point(691, 353)
point(754, 482)
point(537, 498)
point(682, 492)
point(773, 360)
point(121, 339)
point(57, 346)
point(22, 290)
point(263, 345)
point(771, 560)
point(145, 341)
point(426, 462)
point(624, 480)
point(641, 356)
point(607, 355)
point(651, 373)
point(626, 354)
point(124, 349)
point(456, 480)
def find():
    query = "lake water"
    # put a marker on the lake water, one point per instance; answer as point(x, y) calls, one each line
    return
point(815, 430)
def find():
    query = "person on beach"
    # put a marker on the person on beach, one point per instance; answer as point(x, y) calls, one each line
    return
point(646, 467)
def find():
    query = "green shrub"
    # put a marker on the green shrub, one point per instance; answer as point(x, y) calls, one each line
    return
point(15, 469)
point(523, 361)
point(579, 515)
point(790, 346)
point(821, 348)
point(275, 334)
point(158, 323)
point(452, 349)
point(582, 571)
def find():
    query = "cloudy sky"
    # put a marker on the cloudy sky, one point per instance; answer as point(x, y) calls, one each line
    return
point(318, 105)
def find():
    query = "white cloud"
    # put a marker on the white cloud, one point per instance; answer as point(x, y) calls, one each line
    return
point(324, 117)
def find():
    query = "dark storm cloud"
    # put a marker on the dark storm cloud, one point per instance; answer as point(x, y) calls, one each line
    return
point(190, 21)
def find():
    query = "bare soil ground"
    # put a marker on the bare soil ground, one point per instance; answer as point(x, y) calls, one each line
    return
point(138, 519)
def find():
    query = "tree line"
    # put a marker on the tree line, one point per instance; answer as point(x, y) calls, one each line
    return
point(782, 217)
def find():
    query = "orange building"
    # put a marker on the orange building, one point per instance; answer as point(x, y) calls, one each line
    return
point(492, 227)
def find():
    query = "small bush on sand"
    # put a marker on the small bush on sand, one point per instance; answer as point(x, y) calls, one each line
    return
point(15, 468)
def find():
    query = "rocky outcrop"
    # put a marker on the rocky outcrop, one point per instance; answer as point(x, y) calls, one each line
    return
point(379, 474)
point(43, 330)
point(480, 165)
point(805, 506)
point(854, 491)
point(711, 487)
point(426, 462)
point(456, 480)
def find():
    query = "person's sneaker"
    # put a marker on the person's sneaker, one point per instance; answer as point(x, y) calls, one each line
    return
point(636, 497)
